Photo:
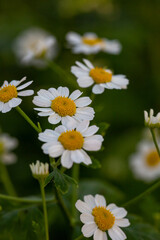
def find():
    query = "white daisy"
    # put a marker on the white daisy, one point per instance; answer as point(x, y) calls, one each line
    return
point(150, 120)
point(90, 43)
point(102, 78)
point(7, 144)
point(70, 142)
point(145, 163)
point(98, 218)
point(9, 94)
point(35, 45)
point(39, 169)
point(60, 106)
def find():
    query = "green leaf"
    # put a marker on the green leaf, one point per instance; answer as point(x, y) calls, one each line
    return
point(95, 163)
point(49, 178)
point(103, 127)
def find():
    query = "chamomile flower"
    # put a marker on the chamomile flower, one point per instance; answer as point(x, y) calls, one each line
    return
point(70, 142)
point(101, 78)
point(150, 120)
point(145, 163)
point(59, 106)
point(100, 219)
point(39, 170)
point(10, 93)
point(35, 45)
point(7, 144)
point(90, 43)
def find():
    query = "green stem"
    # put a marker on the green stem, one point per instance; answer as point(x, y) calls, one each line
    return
point(143, 194)
point(75, 175)
point(79, 238)
point(65, 76)
point(38, 129)
point(41, 182)
point(155, 141)
point(6, 180)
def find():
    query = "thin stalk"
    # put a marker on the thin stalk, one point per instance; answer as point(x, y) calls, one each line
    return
point(24, 200)
point(75, 175)
point(24, 115)
point(44, 209)
point(142, 195)
point(6, 180)
point(155, 141)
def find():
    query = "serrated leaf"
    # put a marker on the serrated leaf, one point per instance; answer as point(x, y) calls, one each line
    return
point(95, 163)
point(49, 178)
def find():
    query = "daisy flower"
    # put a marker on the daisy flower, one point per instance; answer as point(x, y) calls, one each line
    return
point(145, 163)
point(39, 170)
point(70, 142)
point(9, 94)
point(102, 78)
point(90, 43)
point(100, 219)
point(7, 144)
point(59, 106)
point(150, 120)
point(35, 45)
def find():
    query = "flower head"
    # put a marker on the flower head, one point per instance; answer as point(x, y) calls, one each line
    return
point(102, 78)
point(39, 170)
point(90, 43)
point(35, 45)
point(9, 94)
point(7, 144)
point(145, 163)
point(59, 106)
point(98, 218)
point(70, 142)
point(150, 120)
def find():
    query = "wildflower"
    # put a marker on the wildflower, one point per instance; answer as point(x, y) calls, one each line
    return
point(98, 218)
point(90, 43)
point(70, 142)
point(34, 46)
point(145, 163)
point(9, 94)
point(102, 78)
point(7, 144)
point(150, 120)
point(39, 170)
point(59, 106)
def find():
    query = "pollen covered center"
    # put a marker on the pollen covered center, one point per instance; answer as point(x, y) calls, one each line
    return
point(99, 75)
point(7, 93)
point(103, 218)
point(71, 140)
point(152, 159)
point(92, 41)
point(63, 106)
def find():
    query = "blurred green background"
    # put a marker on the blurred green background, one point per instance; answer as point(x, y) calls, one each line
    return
point(136, 25)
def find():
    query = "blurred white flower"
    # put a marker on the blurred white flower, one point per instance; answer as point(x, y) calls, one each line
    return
point(70, 142)
point(150, 120)
point(9, 94)
point(7, 144)
point(35, 45)
point(102, 78)
point(60, 106)
point(99, 218)
point(39, 169)
point(145, 163)
point(90, 43)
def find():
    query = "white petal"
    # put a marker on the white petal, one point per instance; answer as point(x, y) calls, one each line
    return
point(83, 207)
point(116, 233)
point(63, 91)
point(1, 106)
point(48, 136)
point(43, 109)
point(89, 229)
point(26, 93)
point(24, 85)
point(85, 113)
point(69, 122)
point(14, 102)
point(89, 199)
point(56, 150)
point(73, 37)
point(87, 159)
point(111, 85)
point(93, 143)
point(88, 63)
point(97, 89)
point(122, 222)
point(86, 218)
point(77, 156)
point(60, 129)
point(111, 206)
point(81, 65)
point(6, 108)
point(76, 94)
point(45, 114)
point(83, 126)
point(100, 200)
point(99, 235)
point(90, 131)
point(54, 92)
point(83, 102)
point(9, 158)
point(45, 94)
point(46, 146)
point(85, 81)
point(41, 102)
point(66, 159)
point(119, 212)
point(54, 118)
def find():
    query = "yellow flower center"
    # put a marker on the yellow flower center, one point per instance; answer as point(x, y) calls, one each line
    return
point(152, 159)
point(63, 106)
point(1, 148)
point(71, 140)
point(7, 93)
point(99, 75)
point(103, 218)
point(92, 41)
